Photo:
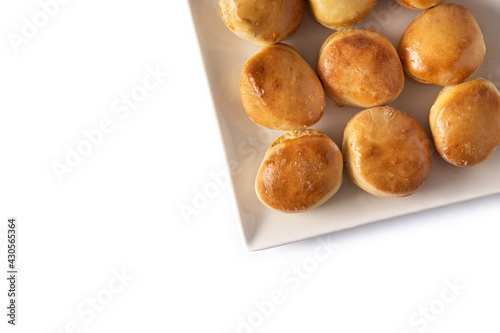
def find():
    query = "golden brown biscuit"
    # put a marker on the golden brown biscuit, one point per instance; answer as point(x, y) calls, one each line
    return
point(280, 91)
point(419, 4)
point(465, 122)
point(360, 68)
point(262, 22)
point(386, 152)
point(336, 14)
point(443, 45)
point(301, 170)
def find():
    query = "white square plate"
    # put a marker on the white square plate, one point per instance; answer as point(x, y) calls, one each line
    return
point(224, 55)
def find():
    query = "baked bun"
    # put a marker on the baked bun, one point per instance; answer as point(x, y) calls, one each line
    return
point(300, 171)
point(360, 68)
point(336, 14)
point(443, 45)
point(280, 91)
point(262, 22)
point(465, 122)
point(386, 152)
point(419, 4)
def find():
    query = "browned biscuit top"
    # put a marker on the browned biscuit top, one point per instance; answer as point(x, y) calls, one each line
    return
point(388, 150)
point(360, 68)
point(340, 13)
point(262, 22)
point(279, 90)
point(443, 45)
point(299, 170)
point(465, 122)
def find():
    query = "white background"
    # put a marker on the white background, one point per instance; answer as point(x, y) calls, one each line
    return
point(118, 210)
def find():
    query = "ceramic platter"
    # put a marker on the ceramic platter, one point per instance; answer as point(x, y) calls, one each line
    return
point(245, 143)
